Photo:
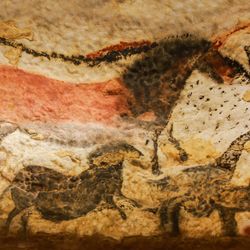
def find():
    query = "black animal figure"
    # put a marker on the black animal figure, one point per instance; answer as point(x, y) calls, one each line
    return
point(156, 80)
point(247, 49)
point(59, 197)
point(202, 189)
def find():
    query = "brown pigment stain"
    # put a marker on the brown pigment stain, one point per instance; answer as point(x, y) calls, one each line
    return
point(220, 40)
point(247, 231)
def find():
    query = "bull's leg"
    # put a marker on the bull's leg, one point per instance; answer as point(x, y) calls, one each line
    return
point(169, 214)
point(110, 201)
point(155, 161)
point(229, 224)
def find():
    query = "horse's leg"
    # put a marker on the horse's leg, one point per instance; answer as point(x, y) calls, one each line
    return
point(155, 161)
point(228, 222)
point(21, 201)
point(169, 214)
point(131, 201)
point(11, 216)
point(110, 200)
point(24, 220)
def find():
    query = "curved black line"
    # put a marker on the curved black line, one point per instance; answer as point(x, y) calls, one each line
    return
point(247, 49)
point(109, 57)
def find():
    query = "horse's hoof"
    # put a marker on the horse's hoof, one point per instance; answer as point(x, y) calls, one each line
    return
point(183, 156)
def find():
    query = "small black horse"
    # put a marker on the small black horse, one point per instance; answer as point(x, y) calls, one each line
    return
point(59, 197)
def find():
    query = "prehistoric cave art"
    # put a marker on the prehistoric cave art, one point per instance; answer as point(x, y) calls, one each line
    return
point(150, 90)
point(59, 197)
point(199, 189)
point(202, 189)
point(157, 81)
point(247, 49)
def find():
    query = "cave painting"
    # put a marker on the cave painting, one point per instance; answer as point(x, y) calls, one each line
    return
point(58, 197)
point(145, 97)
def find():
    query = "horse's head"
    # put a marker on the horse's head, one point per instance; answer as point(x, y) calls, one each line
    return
point(114, 154)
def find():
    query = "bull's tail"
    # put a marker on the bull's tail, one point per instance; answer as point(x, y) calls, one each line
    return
point(228, 160)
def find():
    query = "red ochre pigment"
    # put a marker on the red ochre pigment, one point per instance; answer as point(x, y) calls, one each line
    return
point(247, 231)
point(30, 97)
point(119, 47)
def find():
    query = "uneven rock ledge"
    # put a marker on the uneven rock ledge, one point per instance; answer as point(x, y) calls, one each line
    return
point(41, 242)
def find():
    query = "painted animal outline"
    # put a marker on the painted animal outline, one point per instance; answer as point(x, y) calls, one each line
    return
point(156, 80)
point(205, 189)
point(58, 197)
point(184, 201)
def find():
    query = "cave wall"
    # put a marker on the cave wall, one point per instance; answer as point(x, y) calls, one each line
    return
point(125, 118)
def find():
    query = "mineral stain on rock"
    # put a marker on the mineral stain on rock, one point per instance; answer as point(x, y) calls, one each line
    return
point(247, 231)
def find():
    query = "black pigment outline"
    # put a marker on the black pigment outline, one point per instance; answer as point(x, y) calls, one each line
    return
point(109, 57)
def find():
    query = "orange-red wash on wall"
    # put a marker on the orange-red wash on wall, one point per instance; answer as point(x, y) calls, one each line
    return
point(30, 97)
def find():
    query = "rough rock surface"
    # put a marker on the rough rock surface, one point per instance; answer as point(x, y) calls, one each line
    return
point(152, 138)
